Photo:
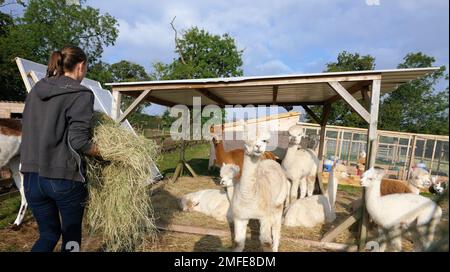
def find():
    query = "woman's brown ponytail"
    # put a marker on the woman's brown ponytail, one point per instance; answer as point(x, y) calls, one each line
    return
point(65, 60)
point(55, 65)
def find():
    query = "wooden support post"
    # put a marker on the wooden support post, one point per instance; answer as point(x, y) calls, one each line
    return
point(274, 95)
point(371, 155)
point(412, 155)
point(441, 151)
point(405, 163)
point(341, 142)
point(366, 97)
point(189, 168)
point(349, 149)
point(338, 138)
point(134, 105)
point(323, 125)
point(432, 156)
point(115, 109)
point(424, 149)
point(182, 164)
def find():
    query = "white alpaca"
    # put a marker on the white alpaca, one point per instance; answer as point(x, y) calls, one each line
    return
point(317, 209)
point(228, 177)
point(10, 139)
point(260, 194)
point(395, 212)
point(300, 165)
point(212, 202)
point(419, 179)
point(437, 187)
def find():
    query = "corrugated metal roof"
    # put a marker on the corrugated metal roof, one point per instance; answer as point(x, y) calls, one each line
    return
point(258, 90)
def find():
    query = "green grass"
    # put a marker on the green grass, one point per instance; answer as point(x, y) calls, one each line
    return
point(350, 189)
point(8, 211)
point(197, 156)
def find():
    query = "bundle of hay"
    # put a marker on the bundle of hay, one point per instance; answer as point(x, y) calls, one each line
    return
point(119, 206)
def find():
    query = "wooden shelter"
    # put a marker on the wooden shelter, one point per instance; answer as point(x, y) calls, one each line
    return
point(11, 109)
point(320, 89)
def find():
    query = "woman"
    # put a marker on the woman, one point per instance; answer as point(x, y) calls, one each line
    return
point(55, 134)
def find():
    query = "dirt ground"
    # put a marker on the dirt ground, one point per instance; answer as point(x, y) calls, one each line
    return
point(165, 197)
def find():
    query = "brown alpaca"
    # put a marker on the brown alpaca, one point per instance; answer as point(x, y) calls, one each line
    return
point(235, 156)
point(390, 186)
point(387, 187)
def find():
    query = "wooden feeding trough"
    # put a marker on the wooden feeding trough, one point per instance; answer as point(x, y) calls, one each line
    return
point(321, 89)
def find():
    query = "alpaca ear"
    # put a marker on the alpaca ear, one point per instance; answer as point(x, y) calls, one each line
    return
point(380, 172)
point(434, 180)
point(223, 164)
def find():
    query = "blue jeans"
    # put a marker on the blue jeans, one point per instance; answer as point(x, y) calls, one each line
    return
point(49, 199)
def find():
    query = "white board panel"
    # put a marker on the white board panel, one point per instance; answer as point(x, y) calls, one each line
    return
point(31, 71)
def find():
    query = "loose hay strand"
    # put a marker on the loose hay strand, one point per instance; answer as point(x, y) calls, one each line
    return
point(119, 205)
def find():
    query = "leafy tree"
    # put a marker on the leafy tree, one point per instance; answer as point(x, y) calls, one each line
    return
point(341, 114)
point(129, 71)
point(101, 72)
point(202, 55)
point(414, 107)
point(166, 119)
point(48, 25)
point(6, 21)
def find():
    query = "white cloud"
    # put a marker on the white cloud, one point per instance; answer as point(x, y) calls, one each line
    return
point(285, 36)
point(272, 67)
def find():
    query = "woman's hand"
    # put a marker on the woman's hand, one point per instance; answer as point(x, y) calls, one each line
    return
point(94, 152)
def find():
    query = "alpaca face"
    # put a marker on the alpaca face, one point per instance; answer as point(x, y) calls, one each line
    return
point(362, 154)
point(228, 172)
point(437, 187)
point(256, 147)
point(340, 170)
point(187, 205)
point(420, 178)
point(216, 140)
point(370, 176)
point(296, 133)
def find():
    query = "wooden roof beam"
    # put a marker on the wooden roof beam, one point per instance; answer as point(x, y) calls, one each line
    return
point(312, 114)
point(134, 105)
point(220, 101)
point(266, 82)
point(160, 101)
point(348, 97)
point(274, 95)
point(353, 89)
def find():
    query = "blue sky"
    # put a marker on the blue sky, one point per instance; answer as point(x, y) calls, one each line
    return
point(283, 37)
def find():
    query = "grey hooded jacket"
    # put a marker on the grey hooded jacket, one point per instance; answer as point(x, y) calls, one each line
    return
point(56, 128)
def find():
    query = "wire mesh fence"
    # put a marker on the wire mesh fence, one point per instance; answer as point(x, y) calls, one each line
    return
point(397, 152)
